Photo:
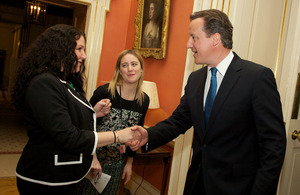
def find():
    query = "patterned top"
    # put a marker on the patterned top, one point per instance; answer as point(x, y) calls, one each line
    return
point(124, 113)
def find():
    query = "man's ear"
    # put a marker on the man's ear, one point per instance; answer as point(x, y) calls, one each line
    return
point(216, 38)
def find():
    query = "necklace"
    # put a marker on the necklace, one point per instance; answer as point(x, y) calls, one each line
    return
point(121, 113)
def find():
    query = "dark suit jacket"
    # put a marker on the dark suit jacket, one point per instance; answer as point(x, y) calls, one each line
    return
point(60, 126)
point(242, 149)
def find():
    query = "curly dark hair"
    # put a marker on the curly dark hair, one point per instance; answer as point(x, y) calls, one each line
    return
point(53, 51)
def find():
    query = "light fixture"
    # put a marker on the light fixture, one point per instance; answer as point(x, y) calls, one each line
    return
point(35, 12)
point(151, 90)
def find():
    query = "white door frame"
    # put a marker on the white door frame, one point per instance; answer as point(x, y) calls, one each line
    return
point(95, 24)
point(287, 87)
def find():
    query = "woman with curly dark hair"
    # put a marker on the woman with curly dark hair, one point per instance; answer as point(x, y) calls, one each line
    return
point(60, 122)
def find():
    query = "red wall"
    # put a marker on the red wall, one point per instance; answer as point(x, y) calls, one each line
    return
point(168, 73)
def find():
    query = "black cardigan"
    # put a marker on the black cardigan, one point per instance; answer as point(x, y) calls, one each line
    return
point(60, 125)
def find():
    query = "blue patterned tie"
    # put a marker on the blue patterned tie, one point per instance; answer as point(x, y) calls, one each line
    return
point(211, 94)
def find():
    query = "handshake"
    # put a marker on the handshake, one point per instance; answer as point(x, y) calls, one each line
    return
point(134, 137)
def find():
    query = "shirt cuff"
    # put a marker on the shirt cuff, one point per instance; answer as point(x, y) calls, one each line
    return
point(96, 142)
point(145, 148)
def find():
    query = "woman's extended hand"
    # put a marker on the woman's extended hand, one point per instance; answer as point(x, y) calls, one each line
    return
point(134, 137)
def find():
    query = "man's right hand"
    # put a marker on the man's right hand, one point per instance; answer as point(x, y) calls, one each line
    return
point(134, 146)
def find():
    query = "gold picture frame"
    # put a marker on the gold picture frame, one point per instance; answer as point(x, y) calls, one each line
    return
point(151, 24)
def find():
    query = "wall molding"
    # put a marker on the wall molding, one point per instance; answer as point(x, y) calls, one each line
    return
point(145, 189)
point(95, 24)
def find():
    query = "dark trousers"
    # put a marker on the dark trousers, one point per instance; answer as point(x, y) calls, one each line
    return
point(30, 188)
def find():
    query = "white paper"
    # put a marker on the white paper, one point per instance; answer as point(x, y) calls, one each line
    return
point(101, 183)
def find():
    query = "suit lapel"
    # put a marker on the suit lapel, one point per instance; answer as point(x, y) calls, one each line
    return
point(200, 93)
point(198, 84)
point(231, 77)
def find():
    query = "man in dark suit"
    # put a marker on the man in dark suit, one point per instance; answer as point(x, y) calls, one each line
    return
point(238, 146)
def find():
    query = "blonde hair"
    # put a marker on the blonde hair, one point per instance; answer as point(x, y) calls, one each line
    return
point(117, 79)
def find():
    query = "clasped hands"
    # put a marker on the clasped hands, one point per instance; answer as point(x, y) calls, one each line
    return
point(102, 107)
point(134, 137)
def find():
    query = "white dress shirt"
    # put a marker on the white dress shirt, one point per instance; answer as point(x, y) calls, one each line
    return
point(222, 68)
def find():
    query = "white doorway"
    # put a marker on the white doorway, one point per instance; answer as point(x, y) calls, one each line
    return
point(289, 90)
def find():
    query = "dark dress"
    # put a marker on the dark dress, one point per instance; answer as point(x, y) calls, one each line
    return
point(123, 114)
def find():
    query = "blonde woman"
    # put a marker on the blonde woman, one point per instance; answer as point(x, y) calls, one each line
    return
point(129, 107)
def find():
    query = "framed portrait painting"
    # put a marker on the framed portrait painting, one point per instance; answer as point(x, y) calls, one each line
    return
point(151, 24)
